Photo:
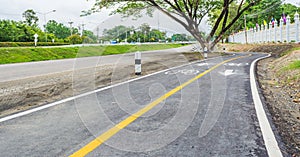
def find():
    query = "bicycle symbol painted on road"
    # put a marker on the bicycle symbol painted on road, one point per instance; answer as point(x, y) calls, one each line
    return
point(184, 71)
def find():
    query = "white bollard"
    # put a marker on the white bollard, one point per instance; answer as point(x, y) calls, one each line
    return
point(138, 63)
point(205, 52)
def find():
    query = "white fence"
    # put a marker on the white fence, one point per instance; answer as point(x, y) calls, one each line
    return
point(282, 33)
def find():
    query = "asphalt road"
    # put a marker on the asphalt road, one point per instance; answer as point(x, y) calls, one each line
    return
point(18, 71)
point(210, 115)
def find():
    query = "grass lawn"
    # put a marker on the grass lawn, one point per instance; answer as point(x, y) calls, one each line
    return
point(18, 55)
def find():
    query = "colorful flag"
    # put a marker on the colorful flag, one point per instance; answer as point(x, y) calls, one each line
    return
point(284, 18)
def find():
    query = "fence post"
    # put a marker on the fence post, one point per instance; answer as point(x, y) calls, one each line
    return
point(275, 31)
point(297, 27)
point(266, 33)
point(262, 33)
point(270, 32)
point(281, 27)
point(288, 20)
point(254, 35)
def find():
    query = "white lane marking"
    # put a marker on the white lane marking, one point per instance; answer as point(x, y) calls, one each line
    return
point(228, 72)
point(202, 64)
point(183, 71)
point(20, 114)
point(268, 135)
point(236, 64)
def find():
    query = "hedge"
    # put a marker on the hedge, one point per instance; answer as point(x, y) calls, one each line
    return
point(30, 44)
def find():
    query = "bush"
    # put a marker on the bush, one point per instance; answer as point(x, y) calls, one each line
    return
point(75, 39)
point(29, 44)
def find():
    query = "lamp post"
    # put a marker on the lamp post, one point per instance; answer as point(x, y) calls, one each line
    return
point(71, 28)
point(44, 14)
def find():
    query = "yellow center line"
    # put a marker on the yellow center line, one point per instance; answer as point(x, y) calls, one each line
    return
point(109, 133)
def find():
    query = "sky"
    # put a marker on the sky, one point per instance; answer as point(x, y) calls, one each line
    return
point(70, 10)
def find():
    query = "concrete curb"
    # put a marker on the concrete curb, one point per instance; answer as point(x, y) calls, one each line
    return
point(267, 133)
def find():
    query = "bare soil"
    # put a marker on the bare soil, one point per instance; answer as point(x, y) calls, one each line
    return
point(282, 94)
point(20, 95)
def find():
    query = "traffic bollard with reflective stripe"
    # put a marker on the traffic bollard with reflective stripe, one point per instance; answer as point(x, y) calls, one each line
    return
point(138, 63)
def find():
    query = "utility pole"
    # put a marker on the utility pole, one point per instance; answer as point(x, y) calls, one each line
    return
point(82, 28)
point(44, 14)
point(71, 29)
point(98, 33)
point(245, 21)
point(158, 20)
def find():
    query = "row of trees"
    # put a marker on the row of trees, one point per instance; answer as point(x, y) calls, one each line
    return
point(143, 33)
point(23, 31)
point(225, 16)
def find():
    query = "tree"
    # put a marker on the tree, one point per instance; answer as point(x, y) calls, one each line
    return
point(89, 36)
point(14, 31)
point(75, 39)
point(188, 13)
point(289, 9)
point(60, 31)
point(145, 28)
point(117, 32)
point(179, 37)
point(264, 11)
point(30, 17)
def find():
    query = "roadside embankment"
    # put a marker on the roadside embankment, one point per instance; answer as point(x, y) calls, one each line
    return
point(279, 78)
point(23, 94)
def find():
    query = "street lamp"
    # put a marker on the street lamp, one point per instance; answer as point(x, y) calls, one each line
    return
point(71, 28)
point(44, 14)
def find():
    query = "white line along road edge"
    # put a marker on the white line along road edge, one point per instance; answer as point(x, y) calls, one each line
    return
point(267, 133)
point(20, 114)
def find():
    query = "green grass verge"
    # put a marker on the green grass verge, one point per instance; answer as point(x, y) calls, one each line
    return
point(292, 66)
point(18, 55)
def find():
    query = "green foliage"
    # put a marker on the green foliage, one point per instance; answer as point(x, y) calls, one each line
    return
point(143, 33)
point(30, 44)
point(30, 17)
point(16, 31)
point(89, 37)
point(75, 39)
point(58, 29)
point(17, 55)
point(290, 10)
point(179, 37)
point(266, 10)
point(116, 32)
point(292, 66)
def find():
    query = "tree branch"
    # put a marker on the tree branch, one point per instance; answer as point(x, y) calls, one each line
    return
point(230, 24)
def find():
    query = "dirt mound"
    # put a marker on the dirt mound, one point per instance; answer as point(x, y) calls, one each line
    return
point(275, 49)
